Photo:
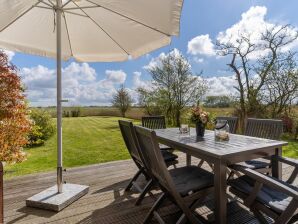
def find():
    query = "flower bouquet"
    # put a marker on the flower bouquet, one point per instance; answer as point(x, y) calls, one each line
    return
point(200, 118)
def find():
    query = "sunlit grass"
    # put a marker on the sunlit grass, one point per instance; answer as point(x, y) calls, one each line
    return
point(86, 140)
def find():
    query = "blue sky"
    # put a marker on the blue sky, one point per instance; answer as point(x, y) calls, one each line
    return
point(200, 18)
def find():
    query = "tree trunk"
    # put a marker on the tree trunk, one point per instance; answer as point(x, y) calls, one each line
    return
point(243, 116)
point(178, 115)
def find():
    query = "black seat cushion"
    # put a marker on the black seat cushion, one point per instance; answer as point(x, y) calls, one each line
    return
point(168, 156)
point(272, 198)
point(191, 178)
point(255, 164)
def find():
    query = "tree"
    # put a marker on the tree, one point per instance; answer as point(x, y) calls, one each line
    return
point(14, 120)
point(174, 86)
point(218, 101)
point(252, 62)
point(42, 129)
point(281, 85)
point(122, 100)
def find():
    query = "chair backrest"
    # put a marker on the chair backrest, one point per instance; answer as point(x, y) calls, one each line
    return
point(232, 121)
point(154, 122)
point(264, 128)
point(128, 134)
point(152, 157)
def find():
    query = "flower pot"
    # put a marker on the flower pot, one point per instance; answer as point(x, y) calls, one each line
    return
point(200, 129)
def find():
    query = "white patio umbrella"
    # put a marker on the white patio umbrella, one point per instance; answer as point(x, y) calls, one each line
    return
point(88, 31)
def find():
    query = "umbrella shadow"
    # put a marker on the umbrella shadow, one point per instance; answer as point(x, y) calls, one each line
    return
point(122, 207)
point(118, 191)
point(28, 211)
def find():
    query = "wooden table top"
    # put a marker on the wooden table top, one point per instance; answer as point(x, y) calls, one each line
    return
point(236, 145)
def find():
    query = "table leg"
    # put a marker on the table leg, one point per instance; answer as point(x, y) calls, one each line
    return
point(188, 159)
point(276, 165)
point(220, 186)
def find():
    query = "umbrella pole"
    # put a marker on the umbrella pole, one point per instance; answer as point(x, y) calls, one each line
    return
point(59, 99)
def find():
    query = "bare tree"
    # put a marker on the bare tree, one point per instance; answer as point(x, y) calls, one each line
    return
point(174, 86)
point(122, 100)
point(252, 62)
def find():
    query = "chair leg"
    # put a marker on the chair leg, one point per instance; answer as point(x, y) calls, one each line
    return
point(231, 174)
point(183, 218)
point(201, 163)
point(135, 177)
point(259, 216)
point(144, 192)
point(154, 207)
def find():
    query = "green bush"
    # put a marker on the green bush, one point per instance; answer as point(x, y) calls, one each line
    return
point(43, 127)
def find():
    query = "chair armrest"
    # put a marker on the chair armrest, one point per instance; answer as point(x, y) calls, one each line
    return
point(291, 162)
point(268, 181)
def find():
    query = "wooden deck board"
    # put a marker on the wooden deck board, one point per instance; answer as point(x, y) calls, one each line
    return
point(106, 202)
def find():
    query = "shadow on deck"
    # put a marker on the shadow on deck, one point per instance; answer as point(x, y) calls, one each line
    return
point(106, 202)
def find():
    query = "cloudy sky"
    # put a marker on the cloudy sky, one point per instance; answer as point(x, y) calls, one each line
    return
point(203, 22)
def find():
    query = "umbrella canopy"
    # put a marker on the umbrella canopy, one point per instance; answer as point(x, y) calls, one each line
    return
point(91, 30)
point(86, 30)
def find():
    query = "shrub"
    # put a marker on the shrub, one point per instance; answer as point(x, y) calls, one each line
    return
point(14, 121)
point(43, 127)
point(290, 122)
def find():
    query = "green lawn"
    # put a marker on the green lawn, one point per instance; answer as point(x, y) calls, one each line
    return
point(87, 140)
point(291, 150)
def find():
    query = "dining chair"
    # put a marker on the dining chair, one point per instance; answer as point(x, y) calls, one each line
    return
point(127, 131)
point(184, 186)
point(156, 122)
point(262, 128)
point(264, 194)
point(232, 122)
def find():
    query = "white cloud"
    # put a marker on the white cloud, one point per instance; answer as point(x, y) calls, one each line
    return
point(82, 72)
point(116, 76)
point(156, 61)
point(222, 85)
point(253, 24)
point(198, 60)
point(137, 81)
point(201, 45)
point(80, 85)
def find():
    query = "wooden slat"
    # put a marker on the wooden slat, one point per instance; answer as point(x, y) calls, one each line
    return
point(105, 203)
point(236, 146)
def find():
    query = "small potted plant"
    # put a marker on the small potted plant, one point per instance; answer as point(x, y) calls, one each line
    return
point(200, 118)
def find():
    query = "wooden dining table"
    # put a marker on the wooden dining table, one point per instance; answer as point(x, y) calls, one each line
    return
point(221, 154)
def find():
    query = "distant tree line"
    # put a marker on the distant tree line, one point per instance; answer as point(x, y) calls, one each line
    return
point(218, 101)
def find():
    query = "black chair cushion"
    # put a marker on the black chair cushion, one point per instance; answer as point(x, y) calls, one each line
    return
point(191, 178)
point(272, 198)
point(168, 156)
point(255, 164)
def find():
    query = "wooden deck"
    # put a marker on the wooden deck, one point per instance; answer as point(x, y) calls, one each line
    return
point(106, 202)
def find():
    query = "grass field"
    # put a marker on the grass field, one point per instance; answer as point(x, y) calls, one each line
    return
point(134, 112)
point(86, 140)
